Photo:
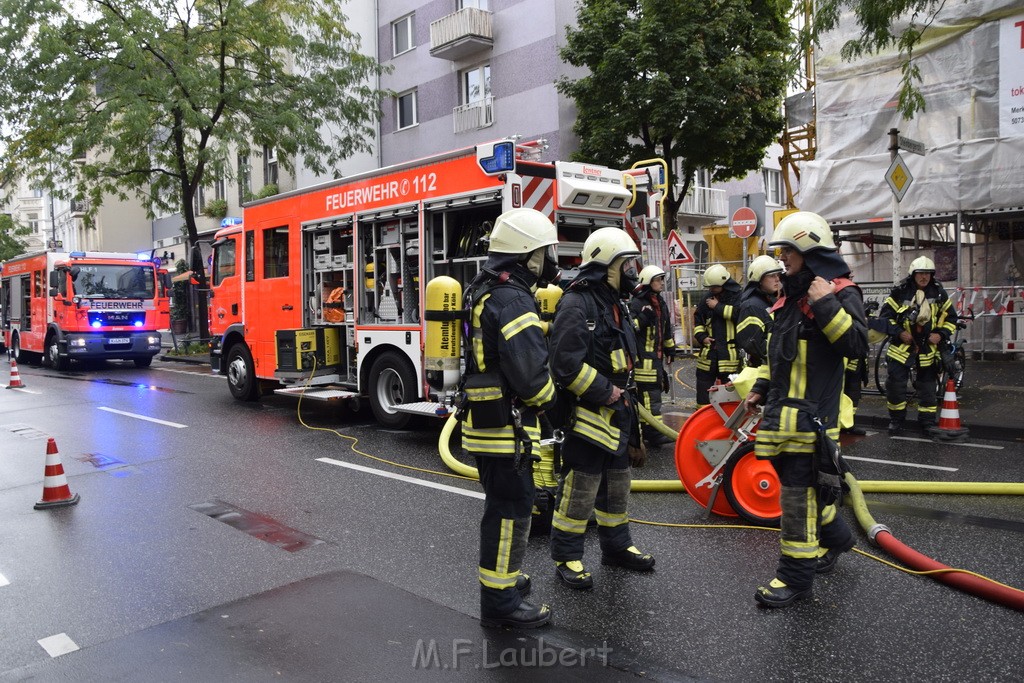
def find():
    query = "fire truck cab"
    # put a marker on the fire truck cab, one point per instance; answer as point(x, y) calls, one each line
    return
point(59, 306)
point(322, 289)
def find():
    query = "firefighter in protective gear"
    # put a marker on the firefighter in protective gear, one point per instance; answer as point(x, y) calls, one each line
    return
point(761, 292)
point(714, 328)
point(593, 354)
point(656, 344)
point(507, 384)
point(921, 318)
point(817, 325)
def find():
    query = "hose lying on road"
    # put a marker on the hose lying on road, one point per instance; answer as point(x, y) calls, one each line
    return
point(958, 578)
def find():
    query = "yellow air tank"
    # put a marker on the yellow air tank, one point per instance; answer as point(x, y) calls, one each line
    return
point(547, 300)
point(443, 343)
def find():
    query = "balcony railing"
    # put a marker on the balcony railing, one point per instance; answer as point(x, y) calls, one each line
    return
point(79, 207)
point(704, 201)
point(461, 34)
point(474, 115)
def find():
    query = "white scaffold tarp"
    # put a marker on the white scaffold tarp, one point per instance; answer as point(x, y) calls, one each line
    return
point(972, 129)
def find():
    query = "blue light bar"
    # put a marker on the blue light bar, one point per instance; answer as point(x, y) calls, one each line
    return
point(501, 160)
point(229, 221)
point(77, 254)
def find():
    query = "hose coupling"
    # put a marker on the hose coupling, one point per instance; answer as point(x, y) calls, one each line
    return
point(877, 529)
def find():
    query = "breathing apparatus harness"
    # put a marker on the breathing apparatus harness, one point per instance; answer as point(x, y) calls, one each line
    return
point(481, 286)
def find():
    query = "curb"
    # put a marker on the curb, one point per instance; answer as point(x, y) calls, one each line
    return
point(977, 431)
point(201, 359)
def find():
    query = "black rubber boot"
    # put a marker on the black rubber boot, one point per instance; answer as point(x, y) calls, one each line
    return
point(523, 584)
point(895, 427)
point(573, 575)
point(524, 616)
point(827, 562)
point(778, 594)
point(854, 431)
point(629, 558)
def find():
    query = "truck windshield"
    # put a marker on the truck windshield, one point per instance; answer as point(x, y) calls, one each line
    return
point(96, 281)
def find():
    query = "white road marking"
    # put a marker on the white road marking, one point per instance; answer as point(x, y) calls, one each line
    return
point(402, 477)
point(903, 464)
point(4, 581)
point(949, 443)
point(194, 373)
point(24, 390)
point(58, 645)
point(143, 417)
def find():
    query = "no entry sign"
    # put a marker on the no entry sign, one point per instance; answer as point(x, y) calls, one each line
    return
point(743, 222)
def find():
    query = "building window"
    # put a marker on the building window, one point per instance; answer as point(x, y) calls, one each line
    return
point(407, 110)
point(33, 222)
point(269, 165)
point(199, 201)
point(219, 189)
point(275, 252)
point(476, 84)
point(244, 179)
point(478, 4)
point(403, 34)
point(772, 186)
point(37, 192)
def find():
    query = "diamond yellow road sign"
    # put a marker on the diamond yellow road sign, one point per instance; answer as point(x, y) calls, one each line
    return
point(899, 178)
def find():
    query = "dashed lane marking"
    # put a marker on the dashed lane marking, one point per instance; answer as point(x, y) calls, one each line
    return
point(58, 645)
point(949, 443)
point(144, 417)
point(402, 477)
point(901, 463)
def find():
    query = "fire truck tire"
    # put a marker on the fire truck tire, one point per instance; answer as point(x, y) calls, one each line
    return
point(241, 373)
point(53, 357)
point(392, 382)
point(752, 487)
point(143, 362)
point(15, 347)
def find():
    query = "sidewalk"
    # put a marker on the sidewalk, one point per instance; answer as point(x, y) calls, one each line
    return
point(991, 402)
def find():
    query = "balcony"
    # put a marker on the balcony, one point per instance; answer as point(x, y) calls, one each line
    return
point(461, 34)
point(79, 207)
point(704, 202)
point(473, 116)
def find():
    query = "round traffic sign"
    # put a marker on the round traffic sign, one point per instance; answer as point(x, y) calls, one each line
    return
point(743, 222)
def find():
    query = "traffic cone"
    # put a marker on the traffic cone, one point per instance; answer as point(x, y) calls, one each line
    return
point(16, 382)
point(56, 492)
point(949, 417)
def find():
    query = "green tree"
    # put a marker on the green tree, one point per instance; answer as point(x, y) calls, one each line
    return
point(877, 21)
point(697, 82)
point(10, 245)
point(158, 94)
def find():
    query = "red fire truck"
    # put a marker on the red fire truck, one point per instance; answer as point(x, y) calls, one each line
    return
point(58, 306)
point(325, 286)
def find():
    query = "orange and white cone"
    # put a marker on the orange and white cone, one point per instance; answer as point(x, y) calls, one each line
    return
point(16, 382)
point(56, 492)
point(949, 417)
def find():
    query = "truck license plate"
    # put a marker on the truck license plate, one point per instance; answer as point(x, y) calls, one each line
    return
point(119, 340)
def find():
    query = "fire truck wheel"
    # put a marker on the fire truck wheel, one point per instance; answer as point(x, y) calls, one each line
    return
point(242, 374)
point(392, 382)
point(53, 355)
point(15, 347)
point(752, 487)
point(143, 362)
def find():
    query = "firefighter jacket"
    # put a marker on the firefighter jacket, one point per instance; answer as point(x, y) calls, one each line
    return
point(593, 347)
point(508, 364)
point(807, 351)
point(754, 325)
point(719, 323)
point(903, 311)
point(654, 334)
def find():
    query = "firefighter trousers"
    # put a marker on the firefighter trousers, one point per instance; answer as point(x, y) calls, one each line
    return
point(504, 529)
point(925, 384)
point(593, 482)
point(808, 529)
point(706, 379)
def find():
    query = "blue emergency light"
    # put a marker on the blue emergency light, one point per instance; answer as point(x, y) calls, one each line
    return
point(497, 157)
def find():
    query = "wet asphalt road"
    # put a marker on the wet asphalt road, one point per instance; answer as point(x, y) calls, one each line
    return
point(354, 575)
